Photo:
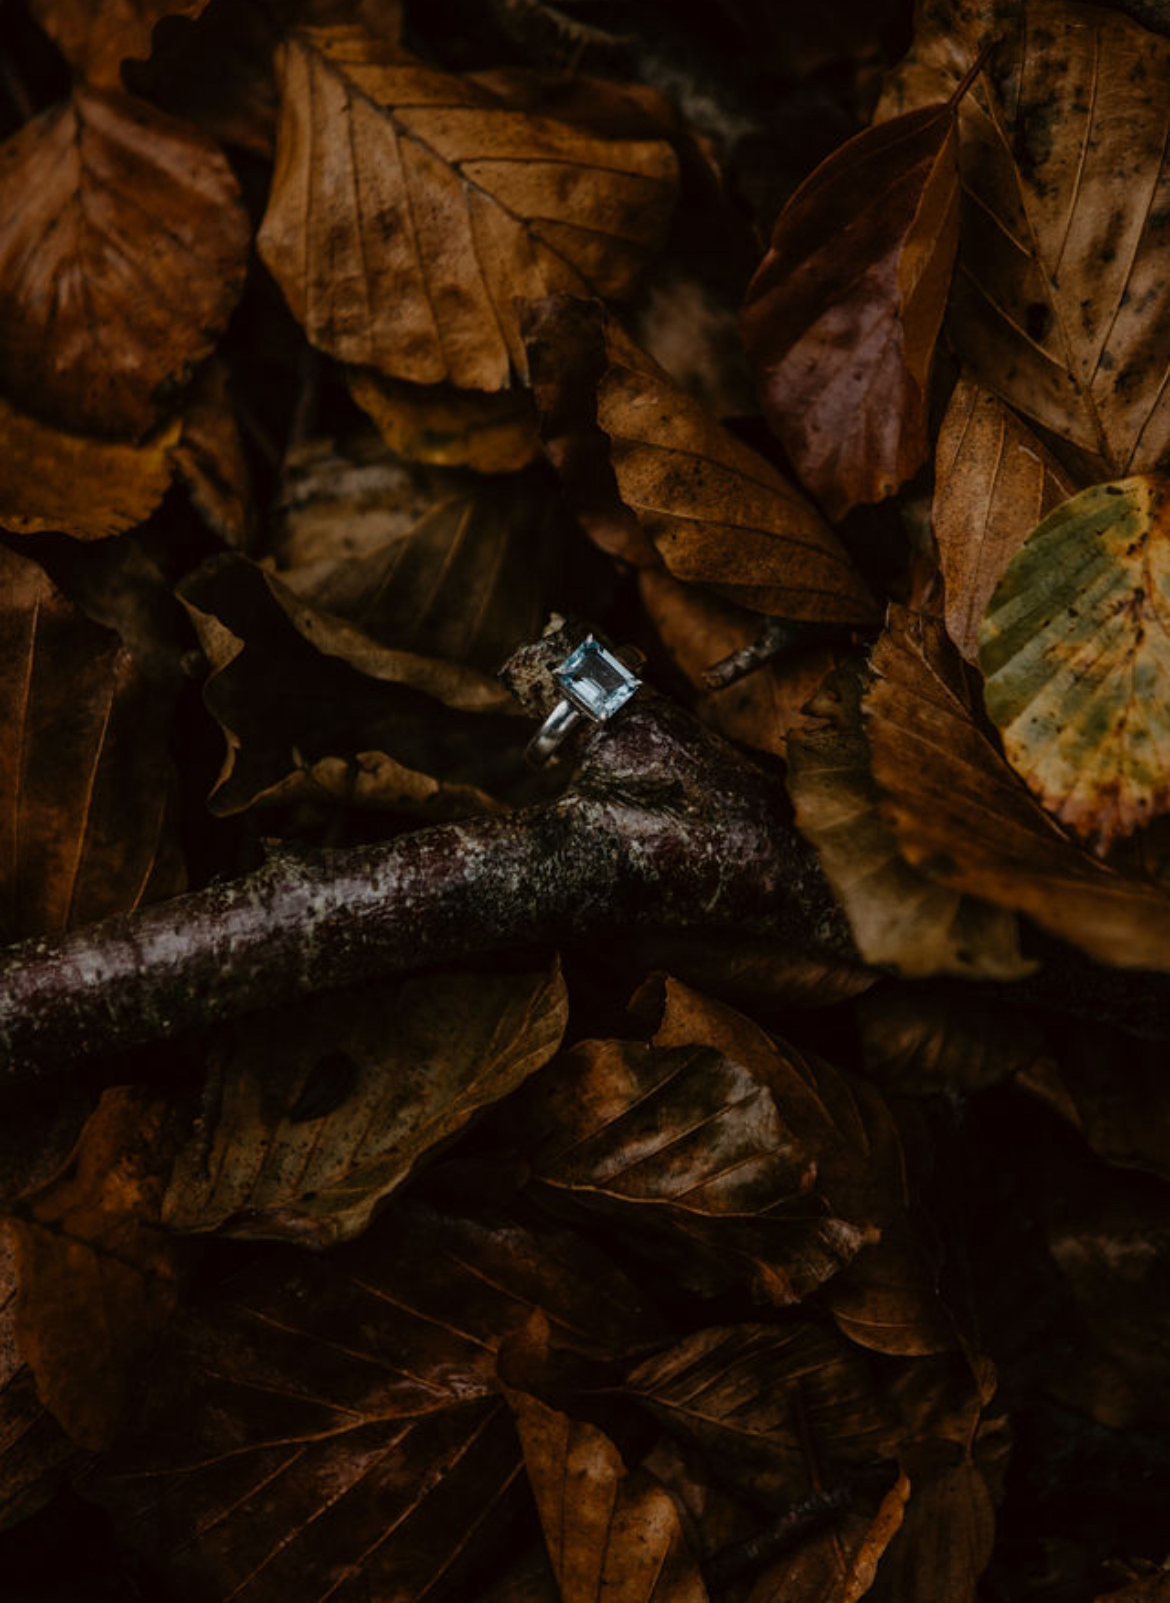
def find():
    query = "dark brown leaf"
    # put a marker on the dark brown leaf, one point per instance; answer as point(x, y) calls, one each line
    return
point(754, 1397)
point(322, 1115)
point(837, 1565)
point(841, 319)
point(328, 1425)
point(492, 432)
point(35, 1453)
point(122, 251)
point(98, 1277)
point(86, 826)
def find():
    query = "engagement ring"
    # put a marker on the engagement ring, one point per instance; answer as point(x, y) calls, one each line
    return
point(597, 683)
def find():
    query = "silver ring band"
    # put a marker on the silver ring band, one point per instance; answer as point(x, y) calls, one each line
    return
point(560, 722)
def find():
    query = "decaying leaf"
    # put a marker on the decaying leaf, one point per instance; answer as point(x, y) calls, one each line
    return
point(663, 481)
point(959, 809)
point(35, 1453)
point(330, 1423)
point(838, 1565)
point(87, 488)
point(96, 36)
point(994, 480)
point(613, 1535)
point(326, 1113)
point(899, 915)
point(86, 803)
point(944, 1542)
point(841, 319)
point(1061, 294)
point(490, 431)
point(209, 458)
point(399, 730)
point(931, 1039)
point(410, 208)
point(97, 1274)
point(1075, 653)
point(123, 244)
point(754, 1396)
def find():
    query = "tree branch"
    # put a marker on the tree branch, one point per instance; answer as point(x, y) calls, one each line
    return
point(664, 825)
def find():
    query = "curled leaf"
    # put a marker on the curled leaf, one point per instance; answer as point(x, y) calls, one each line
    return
point(1075, 653)
point(96, 36)
point(490, 431)
point(842, 316)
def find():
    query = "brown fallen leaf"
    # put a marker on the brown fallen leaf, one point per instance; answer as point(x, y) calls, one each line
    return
point(930, 1039)
point(613, 1535)
point(95, 38)
point(900, 915)
point(425, 735)
point(87, 488)
point(86, 783)
point(98, 1277)
point(329, 1424)
point(944, 1542)
point(699, 629)
point(754, 1396)
point(1060, 298)
point(492, 432)
point(1147, 1589)
point(209, 458)
point(321, 1117)
point(123, 245)
point(994, 480)
point(838, 1565)
point(441, 563)
point(663, 481)
point(1110, 1089)
point(35, 1453)
point(960, 811)
point(708, 1160)
point(841, 319)
point(409, 208)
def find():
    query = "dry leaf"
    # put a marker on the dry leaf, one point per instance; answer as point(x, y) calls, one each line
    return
point(437, 423)
point(1075, 650)
point(329, 1424)
point(410, 208)
point(35, 1453)
point(122, 251)
point(322, 1115)
point(96, 36)
point(841, 319)
point(753, 1396)
point(1110, 1088)
point(426, 735)
point(209, 458)
point(930, 1039)
point(98, 1277)
point(838, 1565)
point(960, 810)
point(899, 915)
point(993, 482)
point(86, 802)
point(613, 1535)
point(944, 1542)
point(87, 488)
point(707, 1158)
point(1061, 296)
point(655, 479)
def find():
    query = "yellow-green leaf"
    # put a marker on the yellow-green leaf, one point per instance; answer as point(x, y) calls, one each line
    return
point(1075, 653)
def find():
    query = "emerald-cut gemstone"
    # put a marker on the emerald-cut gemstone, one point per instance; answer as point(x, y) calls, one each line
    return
point(596, 681)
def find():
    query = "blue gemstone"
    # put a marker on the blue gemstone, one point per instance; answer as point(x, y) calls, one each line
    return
point(595, 680)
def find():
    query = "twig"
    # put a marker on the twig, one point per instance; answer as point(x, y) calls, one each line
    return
point(740, 1561)
point(777, 637)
